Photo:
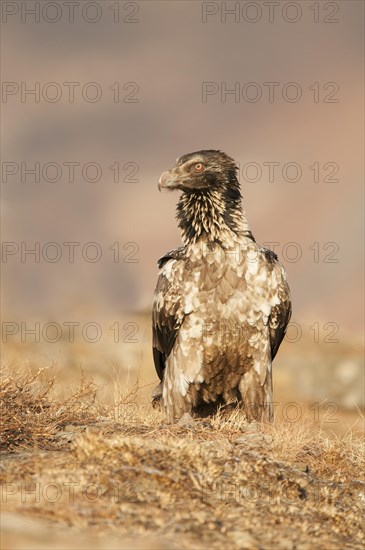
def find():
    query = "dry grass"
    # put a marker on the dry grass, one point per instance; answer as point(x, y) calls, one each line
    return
point(120, 471)
point(30, 415)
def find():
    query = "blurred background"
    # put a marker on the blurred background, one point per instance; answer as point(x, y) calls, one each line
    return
point(99, 98)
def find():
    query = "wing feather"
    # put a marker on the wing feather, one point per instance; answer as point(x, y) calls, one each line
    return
point(167, 314)
point(280, 312)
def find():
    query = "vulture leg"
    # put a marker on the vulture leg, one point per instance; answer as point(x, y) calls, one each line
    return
point(252, 394)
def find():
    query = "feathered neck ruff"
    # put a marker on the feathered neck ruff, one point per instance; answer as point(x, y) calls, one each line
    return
point(214, 215)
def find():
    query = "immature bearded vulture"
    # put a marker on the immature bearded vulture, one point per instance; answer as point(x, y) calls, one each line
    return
point(222, 303)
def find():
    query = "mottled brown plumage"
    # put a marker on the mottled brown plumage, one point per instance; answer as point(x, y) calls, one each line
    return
point(222, 303)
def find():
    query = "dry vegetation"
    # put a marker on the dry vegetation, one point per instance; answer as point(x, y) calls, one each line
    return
point(116, 476)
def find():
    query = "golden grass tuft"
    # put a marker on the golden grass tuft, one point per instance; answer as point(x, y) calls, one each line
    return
point(30, 414)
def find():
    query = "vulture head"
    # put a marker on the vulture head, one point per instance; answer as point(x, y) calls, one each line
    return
point(200, 172)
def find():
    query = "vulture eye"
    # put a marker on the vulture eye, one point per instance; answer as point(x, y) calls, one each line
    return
point(198, 167)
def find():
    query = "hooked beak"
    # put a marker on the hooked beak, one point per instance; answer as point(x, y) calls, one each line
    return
point(167, 181)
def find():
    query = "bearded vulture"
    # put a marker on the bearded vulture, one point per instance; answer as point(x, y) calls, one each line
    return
point(222, 302)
